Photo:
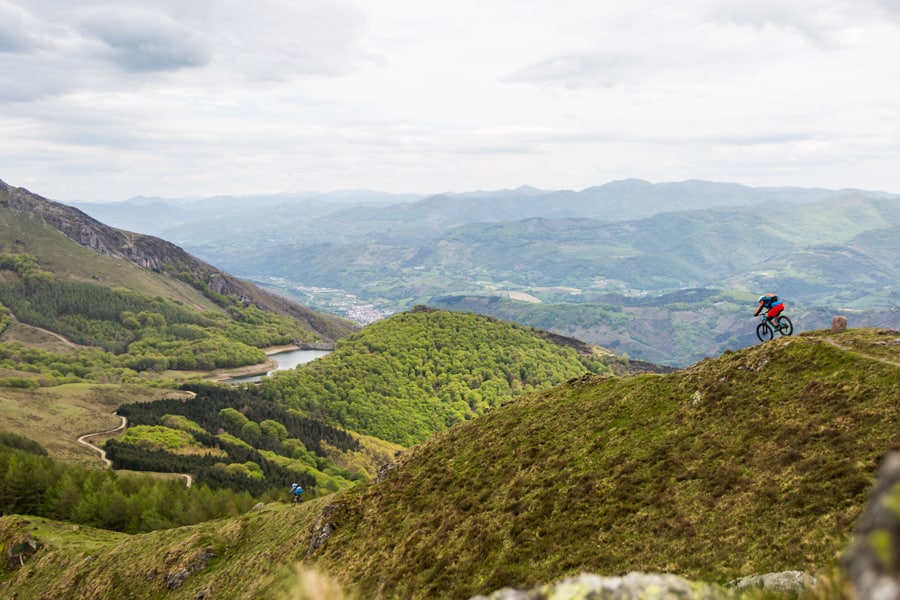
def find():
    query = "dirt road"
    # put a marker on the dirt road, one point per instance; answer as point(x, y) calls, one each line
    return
point(188, 479)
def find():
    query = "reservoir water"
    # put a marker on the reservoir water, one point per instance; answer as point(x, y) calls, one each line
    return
point(286, 360)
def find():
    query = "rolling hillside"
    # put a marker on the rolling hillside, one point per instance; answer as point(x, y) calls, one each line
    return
point(413, 374)
point(75, 247)
point(756, 461)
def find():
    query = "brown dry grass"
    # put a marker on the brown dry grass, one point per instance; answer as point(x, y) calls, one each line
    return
point(55, 417)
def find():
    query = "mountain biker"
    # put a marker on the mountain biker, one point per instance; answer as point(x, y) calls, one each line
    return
point(772, 304)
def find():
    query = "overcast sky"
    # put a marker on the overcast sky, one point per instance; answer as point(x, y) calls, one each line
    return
point(111, 99)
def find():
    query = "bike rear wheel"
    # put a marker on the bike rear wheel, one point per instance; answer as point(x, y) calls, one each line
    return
point(785, 327)
point(764, 332)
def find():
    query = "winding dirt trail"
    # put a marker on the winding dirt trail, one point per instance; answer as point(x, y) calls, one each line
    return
point(83, 440)
point(858, 352)
point(188, 479)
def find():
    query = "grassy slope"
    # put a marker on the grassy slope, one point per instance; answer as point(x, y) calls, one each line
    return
point(254, 556)
point(60, 255)
point(56, 416)
point(757, 461)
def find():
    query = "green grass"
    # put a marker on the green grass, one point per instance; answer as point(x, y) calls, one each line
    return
point(757, 461)
point(253, 556)
point(58, 254)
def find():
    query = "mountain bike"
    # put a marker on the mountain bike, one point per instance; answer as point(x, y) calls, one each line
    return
point(765, 331)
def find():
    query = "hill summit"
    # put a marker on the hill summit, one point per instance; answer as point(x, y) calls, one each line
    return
point(758, 461)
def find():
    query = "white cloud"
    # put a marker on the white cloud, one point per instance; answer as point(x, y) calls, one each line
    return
point(14, 29)
point(113, 99)
point(143, 40)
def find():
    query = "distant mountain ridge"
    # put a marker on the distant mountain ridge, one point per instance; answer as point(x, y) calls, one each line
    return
point(822, 249)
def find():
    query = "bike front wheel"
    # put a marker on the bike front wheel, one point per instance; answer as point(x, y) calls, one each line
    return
point(764, 332)
point(785, 327)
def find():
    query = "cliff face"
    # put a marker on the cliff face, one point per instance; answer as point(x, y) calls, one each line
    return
point(151, 253)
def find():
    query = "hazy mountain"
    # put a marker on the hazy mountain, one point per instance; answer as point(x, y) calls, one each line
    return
point(178, 219)
point(822, 249)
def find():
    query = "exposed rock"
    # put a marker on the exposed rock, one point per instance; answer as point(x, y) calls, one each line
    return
point(384, 470)
point(838, 324)
point(787, 582)
point(400, 457)
point(322, 528)
point(259, 506)
point(873, 559)
point(633, 586)
point(653, 586)
point(177, 579)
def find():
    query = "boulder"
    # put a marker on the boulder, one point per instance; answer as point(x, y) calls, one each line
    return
point(838, 324)
point(787, 582)
point(872, 560)
point(594, 587)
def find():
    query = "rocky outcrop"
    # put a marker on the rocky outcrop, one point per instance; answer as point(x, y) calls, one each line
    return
point(153, 254)
point(322, 527)
point(838, 324)
point(873, 559)
point(198, 563)
point(655, 586)
point(789, 583)
point(595, 587)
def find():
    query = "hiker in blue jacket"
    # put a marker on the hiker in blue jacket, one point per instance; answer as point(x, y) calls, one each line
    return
point(296, 493)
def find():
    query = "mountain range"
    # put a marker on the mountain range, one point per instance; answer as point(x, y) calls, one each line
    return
point(826, 252)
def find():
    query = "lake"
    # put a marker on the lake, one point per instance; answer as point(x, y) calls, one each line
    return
point(286, 360)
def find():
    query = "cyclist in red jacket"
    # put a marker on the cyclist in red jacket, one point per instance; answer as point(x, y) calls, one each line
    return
point(772, 304)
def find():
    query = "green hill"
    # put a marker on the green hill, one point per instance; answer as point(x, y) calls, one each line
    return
point(416, 373)
point(756, 461)
point(132, 304)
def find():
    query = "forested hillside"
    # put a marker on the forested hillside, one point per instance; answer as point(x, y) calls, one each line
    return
point(413, 374)
point(131, 307)
point(231, 437)
point(32, 483)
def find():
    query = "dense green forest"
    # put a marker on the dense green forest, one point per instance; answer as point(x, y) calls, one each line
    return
point(31, 483)
point(127, 332)
point(230, 437)
point(416, 373)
